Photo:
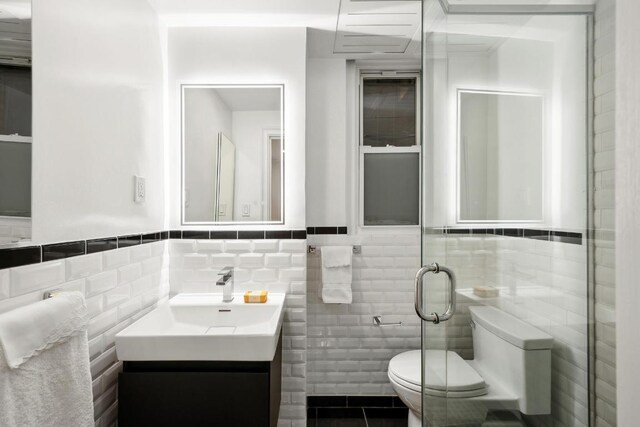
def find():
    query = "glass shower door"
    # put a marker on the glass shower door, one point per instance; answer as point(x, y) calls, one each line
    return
point(505, 140)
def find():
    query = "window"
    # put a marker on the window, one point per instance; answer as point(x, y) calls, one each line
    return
point(389, 150)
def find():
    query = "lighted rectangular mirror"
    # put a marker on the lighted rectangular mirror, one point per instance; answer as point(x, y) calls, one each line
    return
point(232, 154)
point(500, 156)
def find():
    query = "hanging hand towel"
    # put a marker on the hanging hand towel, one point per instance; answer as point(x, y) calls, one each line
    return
point(336, 274)
point(44, 364)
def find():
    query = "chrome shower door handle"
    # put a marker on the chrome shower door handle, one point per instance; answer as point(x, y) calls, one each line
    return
point(419, 291)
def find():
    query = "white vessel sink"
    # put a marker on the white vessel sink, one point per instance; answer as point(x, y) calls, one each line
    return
point(202, 327)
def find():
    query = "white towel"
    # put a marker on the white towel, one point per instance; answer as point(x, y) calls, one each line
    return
point(44, 364)
point(336, 274)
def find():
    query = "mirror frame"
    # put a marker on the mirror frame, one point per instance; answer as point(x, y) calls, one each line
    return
point(543, 155)
point(186, 86)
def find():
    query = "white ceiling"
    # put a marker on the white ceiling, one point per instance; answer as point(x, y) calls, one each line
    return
point(250, 98)
point(250, 13)
point(361, 29)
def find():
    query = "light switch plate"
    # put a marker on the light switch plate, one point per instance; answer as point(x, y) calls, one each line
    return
point(139, 189)
point(246, 210)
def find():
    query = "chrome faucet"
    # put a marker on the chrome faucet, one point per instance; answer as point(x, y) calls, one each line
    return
point(227, 281)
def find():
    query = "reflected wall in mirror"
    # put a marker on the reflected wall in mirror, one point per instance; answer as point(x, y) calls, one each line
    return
point(15, 121)
point(500, 156)
point(232, 154)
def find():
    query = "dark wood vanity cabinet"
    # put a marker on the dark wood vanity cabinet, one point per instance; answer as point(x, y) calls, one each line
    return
point(200, 393)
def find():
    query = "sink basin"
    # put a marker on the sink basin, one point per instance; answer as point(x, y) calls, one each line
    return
point(202, 327)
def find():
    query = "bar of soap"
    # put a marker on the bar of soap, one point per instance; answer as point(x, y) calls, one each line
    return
point(255, 296)
point(486, 291)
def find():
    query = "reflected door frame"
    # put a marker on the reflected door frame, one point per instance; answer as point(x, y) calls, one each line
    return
point(268, 136)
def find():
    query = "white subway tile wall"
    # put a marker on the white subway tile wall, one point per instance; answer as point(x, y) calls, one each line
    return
point(274, 265)
point(120, 285)
point(604, 165)
point(347, 354)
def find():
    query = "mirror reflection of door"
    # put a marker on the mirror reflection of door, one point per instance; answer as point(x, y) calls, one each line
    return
point(275, 178)
point(226, 178)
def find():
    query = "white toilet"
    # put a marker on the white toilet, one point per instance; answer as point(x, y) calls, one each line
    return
point(511, 371)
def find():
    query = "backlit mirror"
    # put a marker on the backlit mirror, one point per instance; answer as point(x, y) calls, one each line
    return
point(500, 156)
point(232, 154)
point(15, 121)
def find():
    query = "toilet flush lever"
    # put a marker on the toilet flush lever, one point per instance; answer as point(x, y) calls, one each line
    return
point(419, 291)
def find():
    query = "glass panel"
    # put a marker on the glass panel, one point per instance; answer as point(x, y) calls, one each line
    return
point(275, 180)
point(538, 277)
point(391, 188)
point(389, 112)
point(15, 179)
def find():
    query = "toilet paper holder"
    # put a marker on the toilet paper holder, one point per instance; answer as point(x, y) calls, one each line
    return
point(377, 321)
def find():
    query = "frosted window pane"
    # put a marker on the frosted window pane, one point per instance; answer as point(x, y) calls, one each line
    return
point(389, 112)
point(391, 186)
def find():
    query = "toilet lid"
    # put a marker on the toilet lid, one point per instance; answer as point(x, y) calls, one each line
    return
point(460, 376)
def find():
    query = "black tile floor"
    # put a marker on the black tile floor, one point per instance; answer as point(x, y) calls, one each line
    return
point(357, 417)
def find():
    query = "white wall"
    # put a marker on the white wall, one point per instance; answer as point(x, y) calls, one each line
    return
point(206, 116)
point(347, 354)
point(234, 55)
point(97, 119)
point(327, 142)
point(251, 144)
point(627, 206)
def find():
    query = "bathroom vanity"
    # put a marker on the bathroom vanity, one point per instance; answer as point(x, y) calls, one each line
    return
point(198, 361)
point(201, 393)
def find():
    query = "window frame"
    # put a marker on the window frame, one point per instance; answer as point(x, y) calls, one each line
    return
point(367, 149)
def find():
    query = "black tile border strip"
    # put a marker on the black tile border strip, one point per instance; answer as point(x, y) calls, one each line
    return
point(15, 257)
point(341, 401)
point(101, 245)
point(526, 233)
point(25, 255)
point(333, 229)
point(56, 251)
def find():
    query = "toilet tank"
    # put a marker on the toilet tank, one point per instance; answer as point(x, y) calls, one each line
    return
point(515, 355)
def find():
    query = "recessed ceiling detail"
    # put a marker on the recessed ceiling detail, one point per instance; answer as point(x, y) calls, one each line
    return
point(378, 26)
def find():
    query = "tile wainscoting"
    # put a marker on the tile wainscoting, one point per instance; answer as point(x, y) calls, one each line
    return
point(121, 284)
point(542, 281)
point(347, 354)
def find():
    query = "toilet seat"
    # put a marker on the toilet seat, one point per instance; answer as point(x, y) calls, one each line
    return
point(461, 380)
